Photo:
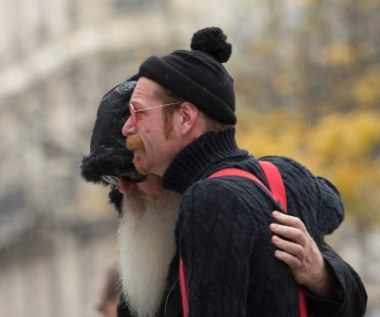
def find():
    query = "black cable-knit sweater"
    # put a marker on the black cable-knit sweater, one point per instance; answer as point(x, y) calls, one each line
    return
point(223, 236)
point(222, 233)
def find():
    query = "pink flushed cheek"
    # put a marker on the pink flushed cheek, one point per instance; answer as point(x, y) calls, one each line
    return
point(148, 130)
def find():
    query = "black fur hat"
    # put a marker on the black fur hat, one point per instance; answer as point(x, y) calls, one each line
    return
point(109, 159)
point(197, 75)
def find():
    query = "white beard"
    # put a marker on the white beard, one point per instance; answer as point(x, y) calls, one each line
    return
point(147, 247)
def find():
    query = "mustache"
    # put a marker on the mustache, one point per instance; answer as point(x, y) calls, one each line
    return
point(134, 143)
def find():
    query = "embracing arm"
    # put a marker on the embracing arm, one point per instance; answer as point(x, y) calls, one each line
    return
point(349, 297)
point(333, 287)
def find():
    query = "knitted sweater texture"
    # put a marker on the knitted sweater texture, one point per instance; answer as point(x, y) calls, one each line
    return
point(222, 232)
point(223, 235)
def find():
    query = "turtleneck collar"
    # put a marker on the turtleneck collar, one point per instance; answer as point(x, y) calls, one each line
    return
point(194, 160)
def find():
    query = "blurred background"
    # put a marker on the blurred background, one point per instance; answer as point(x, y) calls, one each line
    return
point(307, 75)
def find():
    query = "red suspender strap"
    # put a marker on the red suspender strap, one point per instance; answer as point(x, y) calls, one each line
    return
point(276, 185)
point(302, 302)
point(183, 286)
point(277, 189)
point(236, 172)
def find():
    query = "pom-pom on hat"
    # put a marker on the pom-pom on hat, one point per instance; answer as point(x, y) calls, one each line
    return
point(198, 75)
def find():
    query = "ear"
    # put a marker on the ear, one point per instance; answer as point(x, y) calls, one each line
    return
point(188, 117)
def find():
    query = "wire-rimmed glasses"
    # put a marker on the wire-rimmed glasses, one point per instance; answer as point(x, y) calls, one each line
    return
point(133, 111)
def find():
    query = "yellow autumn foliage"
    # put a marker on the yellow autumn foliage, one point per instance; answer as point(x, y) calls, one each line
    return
point(366, 87)
point(338, 53)
point(345, 148)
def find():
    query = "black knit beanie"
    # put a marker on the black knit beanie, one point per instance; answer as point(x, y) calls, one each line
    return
point(198, 75)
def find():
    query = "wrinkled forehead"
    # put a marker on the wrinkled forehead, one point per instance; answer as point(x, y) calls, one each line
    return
point(147, 90)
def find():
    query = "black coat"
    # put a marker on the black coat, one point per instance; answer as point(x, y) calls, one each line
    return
point(222, 234)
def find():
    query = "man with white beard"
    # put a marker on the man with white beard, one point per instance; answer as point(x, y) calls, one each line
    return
point(147, 214)
point(148, 261)
point(146, 243)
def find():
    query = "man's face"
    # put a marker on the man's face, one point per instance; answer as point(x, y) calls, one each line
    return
point(153, 151)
